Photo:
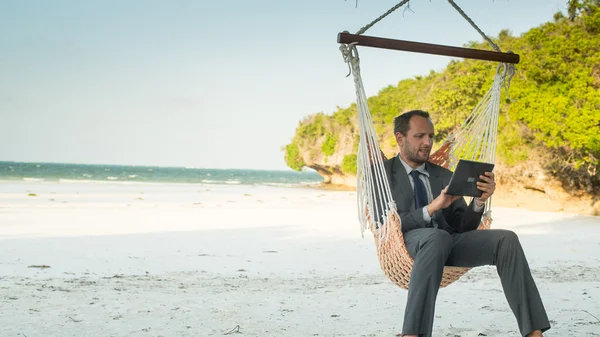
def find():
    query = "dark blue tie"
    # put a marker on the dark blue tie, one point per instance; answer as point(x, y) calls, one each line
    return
point(421, 199)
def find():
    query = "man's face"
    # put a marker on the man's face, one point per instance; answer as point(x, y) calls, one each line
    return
point(415, 147)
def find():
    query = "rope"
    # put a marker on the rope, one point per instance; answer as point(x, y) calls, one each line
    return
point(373, 188)
point(390, 11)
point(403, 2)
point(464, 15)
point(510, 68)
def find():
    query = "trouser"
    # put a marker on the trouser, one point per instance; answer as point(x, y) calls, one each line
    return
point(433, 248)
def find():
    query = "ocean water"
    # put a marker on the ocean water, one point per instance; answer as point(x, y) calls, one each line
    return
point(53, 172)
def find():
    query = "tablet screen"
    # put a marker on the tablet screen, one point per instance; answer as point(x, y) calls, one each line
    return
point(465, 178)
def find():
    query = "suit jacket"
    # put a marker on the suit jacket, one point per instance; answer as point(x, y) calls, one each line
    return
point(458, 217)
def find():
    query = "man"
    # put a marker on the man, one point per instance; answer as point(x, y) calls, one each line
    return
point(440, 230)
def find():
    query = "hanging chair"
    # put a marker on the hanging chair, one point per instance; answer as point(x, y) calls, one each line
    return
point(475, 140)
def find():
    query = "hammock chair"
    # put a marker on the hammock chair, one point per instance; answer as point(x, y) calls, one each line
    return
point(475, 139)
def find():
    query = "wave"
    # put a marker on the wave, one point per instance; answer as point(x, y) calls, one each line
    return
point(228, 182)
point(33, 179)
point(290, 184)
point(88, 181)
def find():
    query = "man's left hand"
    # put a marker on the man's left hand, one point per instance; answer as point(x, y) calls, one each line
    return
point(487, 185)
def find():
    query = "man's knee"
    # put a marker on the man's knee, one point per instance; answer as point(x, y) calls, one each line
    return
point(508, 241)
point(508, 236)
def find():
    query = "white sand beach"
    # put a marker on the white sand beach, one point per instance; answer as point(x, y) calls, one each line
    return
point(172, 260)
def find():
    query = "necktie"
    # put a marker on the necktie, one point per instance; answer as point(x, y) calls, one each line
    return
point(420, 193)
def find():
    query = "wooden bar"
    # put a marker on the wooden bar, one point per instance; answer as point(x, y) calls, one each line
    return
point(426, 48)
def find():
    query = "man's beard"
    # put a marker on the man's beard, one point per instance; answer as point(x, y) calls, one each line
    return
point(413, 155)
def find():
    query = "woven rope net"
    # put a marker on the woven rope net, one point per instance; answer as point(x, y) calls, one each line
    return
point(475, 140)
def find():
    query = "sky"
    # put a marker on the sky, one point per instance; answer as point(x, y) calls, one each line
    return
point(206, 83)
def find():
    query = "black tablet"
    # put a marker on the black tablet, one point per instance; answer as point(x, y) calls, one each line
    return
point(465, 178)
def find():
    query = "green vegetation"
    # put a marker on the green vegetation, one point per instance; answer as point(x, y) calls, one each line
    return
point(555, 106)
point(293, 158)
point(349, 164)
point(328, 146)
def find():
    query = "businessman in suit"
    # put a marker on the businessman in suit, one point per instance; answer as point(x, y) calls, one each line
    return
point(440, 230)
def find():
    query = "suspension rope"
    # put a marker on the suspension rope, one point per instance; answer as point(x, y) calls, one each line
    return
point(466, 17)
point(390, 11)
point(510, 68)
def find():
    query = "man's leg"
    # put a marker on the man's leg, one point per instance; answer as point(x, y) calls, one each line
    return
point(503, 249)
point(429, 247)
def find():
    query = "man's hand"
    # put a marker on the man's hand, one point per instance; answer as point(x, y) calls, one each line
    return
point(442, 201)
point(487, 185)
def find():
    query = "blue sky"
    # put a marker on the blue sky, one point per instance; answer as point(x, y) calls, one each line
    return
point(213, 84)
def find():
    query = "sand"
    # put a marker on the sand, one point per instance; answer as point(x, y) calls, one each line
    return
point(204, 260)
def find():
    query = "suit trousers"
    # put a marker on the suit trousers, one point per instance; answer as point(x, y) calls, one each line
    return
point(432, 249)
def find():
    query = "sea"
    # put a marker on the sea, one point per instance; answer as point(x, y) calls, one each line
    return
point(87, 173)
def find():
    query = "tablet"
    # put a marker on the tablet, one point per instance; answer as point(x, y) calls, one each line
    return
point(465, 178)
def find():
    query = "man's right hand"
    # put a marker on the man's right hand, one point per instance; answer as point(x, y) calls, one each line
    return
point(442, 201)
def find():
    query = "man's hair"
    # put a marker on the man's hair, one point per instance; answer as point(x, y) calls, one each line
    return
point(402, 122)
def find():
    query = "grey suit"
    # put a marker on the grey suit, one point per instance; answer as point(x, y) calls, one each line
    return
point(450, 239)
